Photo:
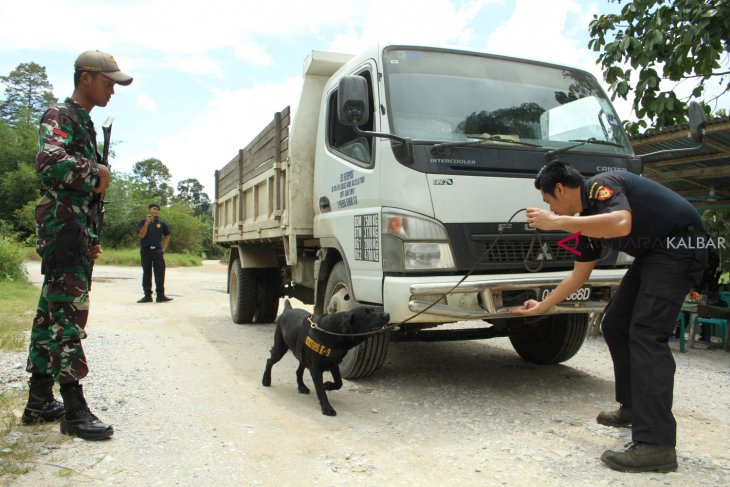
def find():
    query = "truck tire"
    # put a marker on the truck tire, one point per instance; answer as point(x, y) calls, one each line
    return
point(242, 293)
point(367, 357)
point(554, 340)
point(269, 290)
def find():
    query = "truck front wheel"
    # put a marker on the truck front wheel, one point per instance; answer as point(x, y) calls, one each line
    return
point(552, 340)
point(367, 357)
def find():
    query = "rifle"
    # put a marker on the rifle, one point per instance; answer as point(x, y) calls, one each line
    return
point(98, 202)
point(107, 131)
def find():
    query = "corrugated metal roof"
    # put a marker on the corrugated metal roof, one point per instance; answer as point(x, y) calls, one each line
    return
point(702, 176)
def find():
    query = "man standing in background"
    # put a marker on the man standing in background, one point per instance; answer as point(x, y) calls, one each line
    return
point(155, 237)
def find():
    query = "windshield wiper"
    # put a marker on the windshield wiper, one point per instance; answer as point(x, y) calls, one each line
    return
point(551, 154)
point(481, 141)
point(593, 140)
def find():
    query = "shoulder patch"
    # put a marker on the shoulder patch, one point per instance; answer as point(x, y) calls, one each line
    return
point(61, 133)
point(593, 187)
point(604, 193)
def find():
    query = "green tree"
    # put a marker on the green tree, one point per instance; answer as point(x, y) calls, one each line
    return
point(27, 95)
point(123, 209)
point(190, 191)
point(186, 229)
point(152, 180)
point(18, 184)
point(24, 222)
point(519, 120)
point(655, 40)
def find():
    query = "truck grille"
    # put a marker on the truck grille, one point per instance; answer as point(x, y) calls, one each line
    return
point(519, 250)
point(470, 241)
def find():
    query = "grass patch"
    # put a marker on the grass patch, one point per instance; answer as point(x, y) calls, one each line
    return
point(16, 448)
point(18, 300)
point(17, 308)
point(130, 258)
point(21, 445)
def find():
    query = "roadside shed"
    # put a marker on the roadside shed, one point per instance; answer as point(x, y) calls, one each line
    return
point(702, 176)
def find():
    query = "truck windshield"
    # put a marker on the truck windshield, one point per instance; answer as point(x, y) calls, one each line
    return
point(445, 96)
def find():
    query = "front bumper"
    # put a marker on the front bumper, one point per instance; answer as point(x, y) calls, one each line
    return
point(480, 297)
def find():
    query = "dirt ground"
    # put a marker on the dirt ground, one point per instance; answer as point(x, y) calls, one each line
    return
point(182, 386)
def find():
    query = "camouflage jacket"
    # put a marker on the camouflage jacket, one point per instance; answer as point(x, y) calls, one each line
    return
point(67, 167)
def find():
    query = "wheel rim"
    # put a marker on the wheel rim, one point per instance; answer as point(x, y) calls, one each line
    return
point(340, 300)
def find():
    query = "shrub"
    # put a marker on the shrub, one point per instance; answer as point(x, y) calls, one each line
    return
point(11, 260)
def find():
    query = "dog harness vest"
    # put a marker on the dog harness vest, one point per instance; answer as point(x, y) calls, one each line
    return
point(317, 347)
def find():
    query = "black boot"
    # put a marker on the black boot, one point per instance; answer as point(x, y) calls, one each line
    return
point(620, 418)
point(642, 457)
point(42, 406)
point(79, 420)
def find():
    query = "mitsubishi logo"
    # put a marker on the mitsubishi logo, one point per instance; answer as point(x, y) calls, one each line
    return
point(546, 254)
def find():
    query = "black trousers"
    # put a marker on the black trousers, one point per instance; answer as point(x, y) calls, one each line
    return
point(153, 259)
point(637, 325)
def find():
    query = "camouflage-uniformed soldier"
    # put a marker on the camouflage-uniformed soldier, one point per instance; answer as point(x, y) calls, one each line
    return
point(72, 179)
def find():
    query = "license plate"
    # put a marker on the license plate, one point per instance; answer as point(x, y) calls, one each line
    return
point(582, 294)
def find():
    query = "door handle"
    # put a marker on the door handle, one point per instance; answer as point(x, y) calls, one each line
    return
point(324, 204)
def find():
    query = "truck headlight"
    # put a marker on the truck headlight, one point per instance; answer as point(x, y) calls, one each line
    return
point(414, 243)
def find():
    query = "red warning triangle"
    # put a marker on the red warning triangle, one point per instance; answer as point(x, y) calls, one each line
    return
point(562, 243)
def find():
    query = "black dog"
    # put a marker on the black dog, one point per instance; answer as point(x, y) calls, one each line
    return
point(317, 350)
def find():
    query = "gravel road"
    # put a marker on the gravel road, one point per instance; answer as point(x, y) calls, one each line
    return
point(181, 384)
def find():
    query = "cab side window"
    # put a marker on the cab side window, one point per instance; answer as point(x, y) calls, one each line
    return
point(343, 139)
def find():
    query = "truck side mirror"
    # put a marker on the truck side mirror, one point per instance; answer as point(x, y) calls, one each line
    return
point(697, 121)
point(353, 103)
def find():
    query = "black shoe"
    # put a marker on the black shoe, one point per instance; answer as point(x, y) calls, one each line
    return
point(79, 420)
point(163, 299)
point(146, 299)
point(620, 418)
point(42, 406)
point(642, 457)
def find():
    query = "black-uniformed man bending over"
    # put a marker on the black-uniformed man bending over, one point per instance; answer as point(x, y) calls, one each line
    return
point(659, 229)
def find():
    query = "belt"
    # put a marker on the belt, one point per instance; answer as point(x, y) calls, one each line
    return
point(151, 247)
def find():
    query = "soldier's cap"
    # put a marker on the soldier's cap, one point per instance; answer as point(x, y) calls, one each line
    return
point(101, 62)
point(153, 205)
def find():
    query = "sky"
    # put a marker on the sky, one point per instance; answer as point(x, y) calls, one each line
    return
point(208, 76)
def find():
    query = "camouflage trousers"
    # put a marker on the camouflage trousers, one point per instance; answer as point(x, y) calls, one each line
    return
point(58, 327)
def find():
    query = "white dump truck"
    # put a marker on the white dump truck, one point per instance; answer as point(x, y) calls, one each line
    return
point(397, 175)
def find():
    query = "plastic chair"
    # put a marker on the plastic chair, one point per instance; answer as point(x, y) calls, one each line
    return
point(714, 316)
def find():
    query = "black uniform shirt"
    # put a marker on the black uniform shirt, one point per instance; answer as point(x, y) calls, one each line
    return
point(656, 213)
point(155, 231)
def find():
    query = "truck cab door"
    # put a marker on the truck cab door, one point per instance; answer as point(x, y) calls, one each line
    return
point(347, 191)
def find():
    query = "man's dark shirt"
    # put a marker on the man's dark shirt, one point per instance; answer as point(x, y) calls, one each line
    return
point(156, 230)
point(656, 213)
